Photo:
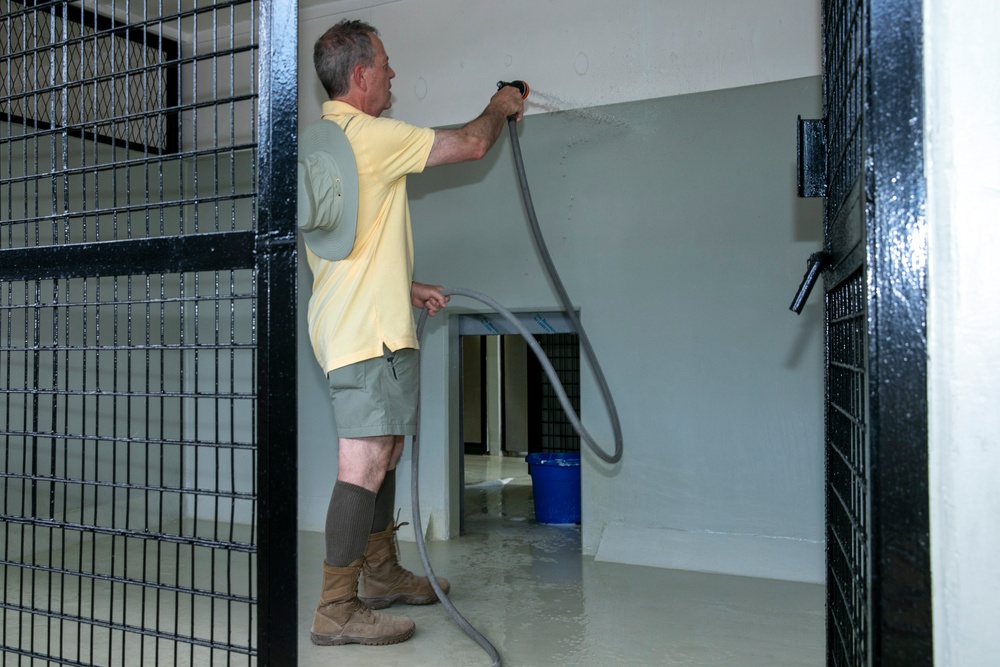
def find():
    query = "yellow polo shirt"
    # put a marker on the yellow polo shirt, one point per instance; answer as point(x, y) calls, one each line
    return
point(362, 302)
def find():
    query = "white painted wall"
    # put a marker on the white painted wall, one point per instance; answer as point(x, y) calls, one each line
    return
point(449, 54)
point(697, 491)
point(963, 173)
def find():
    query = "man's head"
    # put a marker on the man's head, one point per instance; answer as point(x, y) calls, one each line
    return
point(351, 54)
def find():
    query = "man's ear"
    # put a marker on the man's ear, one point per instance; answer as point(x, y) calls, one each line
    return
point(358, 77)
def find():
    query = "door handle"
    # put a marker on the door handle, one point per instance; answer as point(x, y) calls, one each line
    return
point(813, 269)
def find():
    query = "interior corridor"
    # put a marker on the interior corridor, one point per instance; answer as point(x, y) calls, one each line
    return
point(526, 587)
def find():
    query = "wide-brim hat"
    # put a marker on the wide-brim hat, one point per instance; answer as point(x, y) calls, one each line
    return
point(328, 190)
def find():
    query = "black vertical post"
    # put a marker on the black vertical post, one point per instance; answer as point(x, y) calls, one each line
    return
point(897, 256)
point(879, 608)
point(276, 272)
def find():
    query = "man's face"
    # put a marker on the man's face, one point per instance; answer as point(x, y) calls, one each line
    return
point(379, 76)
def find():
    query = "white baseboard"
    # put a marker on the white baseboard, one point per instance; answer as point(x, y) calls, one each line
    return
point(783, 558)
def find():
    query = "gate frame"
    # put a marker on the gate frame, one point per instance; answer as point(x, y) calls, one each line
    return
point(271, 252)
point(897, 268)
point(890, 247)
point(277, 262)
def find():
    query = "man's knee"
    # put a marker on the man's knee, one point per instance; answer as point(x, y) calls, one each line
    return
point(364, 461)
point(397, 452)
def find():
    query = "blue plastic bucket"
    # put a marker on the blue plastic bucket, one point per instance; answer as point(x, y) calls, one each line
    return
point(555, 485)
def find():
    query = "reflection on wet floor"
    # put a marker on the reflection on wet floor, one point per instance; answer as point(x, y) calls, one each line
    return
point(527, 588)
point(497, 488)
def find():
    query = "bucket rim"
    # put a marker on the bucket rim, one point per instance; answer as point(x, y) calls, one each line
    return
point(561, 459)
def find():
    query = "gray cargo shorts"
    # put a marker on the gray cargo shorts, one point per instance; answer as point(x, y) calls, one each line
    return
point(377, 396)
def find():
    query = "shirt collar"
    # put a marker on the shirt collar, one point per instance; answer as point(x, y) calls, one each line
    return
point(338, 108)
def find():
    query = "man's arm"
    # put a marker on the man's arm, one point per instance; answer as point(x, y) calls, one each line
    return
point(474, 139)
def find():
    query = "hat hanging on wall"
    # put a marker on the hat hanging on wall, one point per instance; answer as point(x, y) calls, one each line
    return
point(328, 190)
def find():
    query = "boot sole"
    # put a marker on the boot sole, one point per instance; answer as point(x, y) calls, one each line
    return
point(340, 640)
point(382, 603)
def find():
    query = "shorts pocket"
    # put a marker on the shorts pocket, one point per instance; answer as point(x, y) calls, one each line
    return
point(348, 377)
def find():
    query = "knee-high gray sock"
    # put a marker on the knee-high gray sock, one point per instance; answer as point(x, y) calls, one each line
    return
point(385, 503)
point(348, 520)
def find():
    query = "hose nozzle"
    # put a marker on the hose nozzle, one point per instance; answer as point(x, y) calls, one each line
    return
point(520, 85)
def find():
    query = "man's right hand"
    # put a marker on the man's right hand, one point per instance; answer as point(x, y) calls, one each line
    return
point(474, 139)
point(509, 102)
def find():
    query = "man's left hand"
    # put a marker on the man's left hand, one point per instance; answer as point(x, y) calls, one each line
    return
point(428, 296)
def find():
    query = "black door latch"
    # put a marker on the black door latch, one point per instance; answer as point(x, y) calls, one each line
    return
point(813, 269)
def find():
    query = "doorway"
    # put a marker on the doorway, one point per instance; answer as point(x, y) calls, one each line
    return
point(509, 409)
point(509, 405)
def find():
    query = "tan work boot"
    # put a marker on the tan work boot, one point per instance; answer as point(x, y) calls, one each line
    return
point(341, 618)
point(384, 581)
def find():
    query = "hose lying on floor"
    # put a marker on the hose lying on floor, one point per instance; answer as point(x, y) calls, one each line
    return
point(588, 349)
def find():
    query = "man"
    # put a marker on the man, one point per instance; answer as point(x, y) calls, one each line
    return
point(362, 330)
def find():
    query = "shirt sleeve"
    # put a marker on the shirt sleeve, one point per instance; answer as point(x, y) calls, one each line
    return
point(397, 148)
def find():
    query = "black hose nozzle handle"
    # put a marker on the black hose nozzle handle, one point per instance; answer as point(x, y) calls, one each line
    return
point(520, 85)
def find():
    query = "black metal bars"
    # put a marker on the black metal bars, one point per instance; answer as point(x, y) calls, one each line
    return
point(147, 262)
point(878, 544)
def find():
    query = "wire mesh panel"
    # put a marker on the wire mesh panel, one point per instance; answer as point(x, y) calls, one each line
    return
point(848, 501)
point(848, 483)
point(844, 96)
point(128, 499)
point(107, 138)
point(89, 74)
point(140, 260)
point(878, 570)
point(549, 428)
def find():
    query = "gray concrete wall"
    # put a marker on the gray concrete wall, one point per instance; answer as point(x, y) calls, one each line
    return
point(676, 228)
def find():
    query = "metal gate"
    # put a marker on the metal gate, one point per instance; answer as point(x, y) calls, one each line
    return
point(549, 429)
point(147, 301)
point(866, 158)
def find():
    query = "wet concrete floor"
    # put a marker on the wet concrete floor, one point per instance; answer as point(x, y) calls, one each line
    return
point(526, 587)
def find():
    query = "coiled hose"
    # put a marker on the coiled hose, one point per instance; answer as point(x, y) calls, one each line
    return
point(588, 350)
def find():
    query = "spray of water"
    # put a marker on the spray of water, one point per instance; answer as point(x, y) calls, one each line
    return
point(552, 103)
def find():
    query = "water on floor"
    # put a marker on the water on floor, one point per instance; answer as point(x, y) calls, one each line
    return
point(527, 588)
